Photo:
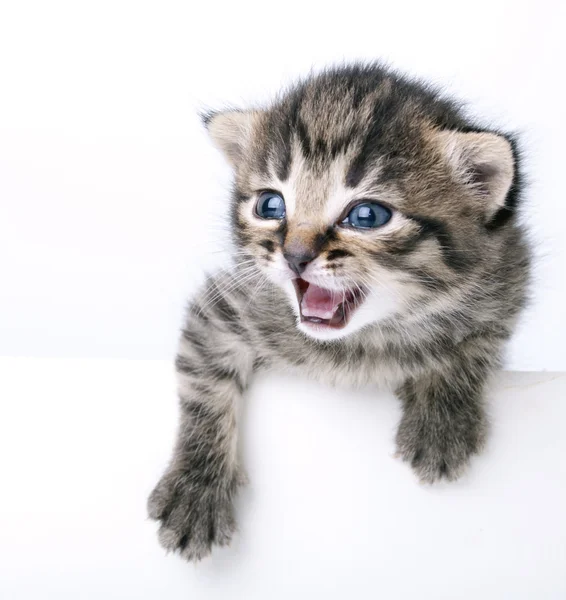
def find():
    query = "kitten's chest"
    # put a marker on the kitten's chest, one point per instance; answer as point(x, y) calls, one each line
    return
point(361, 360)
point(357, 367)
point(340, 365)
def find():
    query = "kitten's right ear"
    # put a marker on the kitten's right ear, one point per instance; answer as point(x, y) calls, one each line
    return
point(231, 132)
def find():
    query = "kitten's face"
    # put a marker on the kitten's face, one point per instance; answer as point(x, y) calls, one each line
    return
point(325, 244)
point(359, 207)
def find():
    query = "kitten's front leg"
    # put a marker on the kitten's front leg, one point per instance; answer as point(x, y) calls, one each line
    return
point(444, 421)
point(193, 499)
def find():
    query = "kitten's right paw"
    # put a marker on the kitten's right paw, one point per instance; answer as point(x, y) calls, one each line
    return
point(194, 514)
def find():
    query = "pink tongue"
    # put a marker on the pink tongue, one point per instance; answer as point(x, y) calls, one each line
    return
point(320, 303)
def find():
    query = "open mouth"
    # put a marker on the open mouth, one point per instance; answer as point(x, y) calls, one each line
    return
point(326, 308)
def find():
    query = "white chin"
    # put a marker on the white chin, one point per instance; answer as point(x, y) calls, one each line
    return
point(323, 332)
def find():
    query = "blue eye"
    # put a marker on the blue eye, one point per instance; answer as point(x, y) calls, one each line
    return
point(270, 206)
point(368, 216)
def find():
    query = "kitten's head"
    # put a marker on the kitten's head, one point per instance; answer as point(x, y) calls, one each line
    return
point(364, 195)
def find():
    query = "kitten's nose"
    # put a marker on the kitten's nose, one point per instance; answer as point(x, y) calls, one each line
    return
point(298, 261)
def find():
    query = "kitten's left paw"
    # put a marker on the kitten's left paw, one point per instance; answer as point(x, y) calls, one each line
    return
point(431, 466)
point(435, 455)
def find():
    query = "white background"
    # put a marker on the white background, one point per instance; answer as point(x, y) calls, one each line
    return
point(329, 514)
point(112, 199)
point(111, 207)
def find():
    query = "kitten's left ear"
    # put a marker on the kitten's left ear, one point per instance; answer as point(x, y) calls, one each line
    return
point(484, 161)
point(231, 131)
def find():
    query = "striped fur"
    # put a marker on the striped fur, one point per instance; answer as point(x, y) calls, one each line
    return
point(446, 279)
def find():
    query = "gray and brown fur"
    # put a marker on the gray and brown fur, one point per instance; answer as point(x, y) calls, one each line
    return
point(455, 267)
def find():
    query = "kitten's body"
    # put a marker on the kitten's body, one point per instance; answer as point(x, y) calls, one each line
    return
point(443, 281)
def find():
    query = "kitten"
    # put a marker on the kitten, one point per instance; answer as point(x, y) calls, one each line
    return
point(377, 241)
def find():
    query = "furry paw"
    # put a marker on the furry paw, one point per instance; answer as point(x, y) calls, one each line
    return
point(194, 514)
point(436, 454)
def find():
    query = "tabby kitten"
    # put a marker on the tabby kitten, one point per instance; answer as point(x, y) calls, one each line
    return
point(377, 241)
